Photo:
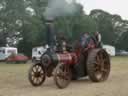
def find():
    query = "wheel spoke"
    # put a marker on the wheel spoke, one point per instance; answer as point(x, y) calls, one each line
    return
point(60, 76)
point(105, 61)
point(34, 80)
point(37, 66)
point(32, 73)
point(98, 59)
point(39, 69)
point(99, 75)
point(103, 64)
point(100, 56)
point(96, 68)
point(67, 77)
point(34, 69)
point(42, 74)
point(104, 70)
point(32, 77)
point(38, 80)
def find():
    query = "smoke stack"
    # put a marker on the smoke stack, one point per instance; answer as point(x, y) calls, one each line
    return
point(50, 33)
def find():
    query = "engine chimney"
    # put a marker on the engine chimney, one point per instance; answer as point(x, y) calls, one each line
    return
point(50, 33)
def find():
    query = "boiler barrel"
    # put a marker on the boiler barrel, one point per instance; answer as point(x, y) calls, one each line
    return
point(56, 58)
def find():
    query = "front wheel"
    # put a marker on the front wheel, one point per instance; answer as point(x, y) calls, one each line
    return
point(36, 74)
point(62, 75)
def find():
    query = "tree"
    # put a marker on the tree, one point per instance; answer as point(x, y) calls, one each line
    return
point(123, 42)
point(104, 26)
point(74, 25)
point(11, 14)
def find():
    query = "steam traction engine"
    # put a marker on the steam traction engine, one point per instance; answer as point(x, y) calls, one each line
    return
point(72, 64)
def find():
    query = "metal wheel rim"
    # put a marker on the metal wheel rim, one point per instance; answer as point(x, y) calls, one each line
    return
point(102, 66)
point(36, 75)
point(62, 76)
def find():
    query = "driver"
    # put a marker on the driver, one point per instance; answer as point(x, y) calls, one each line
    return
point(84, 39)
point(80, 67)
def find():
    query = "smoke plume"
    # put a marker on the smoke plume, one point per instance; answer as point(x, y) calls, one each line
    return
point(58, 8)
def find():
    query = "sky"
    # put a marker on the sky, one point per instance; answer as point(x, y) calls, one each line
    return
point(119, 7)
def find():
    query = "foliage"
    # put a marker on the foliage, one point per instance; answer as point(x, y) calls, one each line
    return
point(22, 25)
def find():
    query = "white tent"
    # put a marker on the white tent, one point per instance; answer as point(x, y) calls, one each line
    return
point(110, 49)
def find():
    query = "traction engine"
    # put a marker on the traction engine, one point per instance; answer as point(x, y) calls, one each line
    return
point(72, 64)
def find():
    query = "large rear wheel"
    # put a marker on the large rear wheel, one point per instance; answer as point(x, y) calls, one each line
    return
point(36, 74)
point(62, 75)
point(98, 65)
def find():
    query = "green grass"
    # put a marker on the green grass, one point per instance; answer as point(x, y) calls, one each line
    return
point(14, 82)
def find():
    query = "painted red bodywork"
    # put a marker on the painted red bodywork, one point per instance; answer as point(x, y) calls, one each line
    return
point(73, 57)
point(67, 58)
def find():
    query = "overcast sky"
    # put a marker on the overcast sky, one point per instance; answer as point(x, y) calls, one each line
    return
point(112, 6)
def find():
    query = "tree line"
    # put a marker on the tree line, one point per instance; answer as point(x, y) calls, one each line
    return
point(22, 25)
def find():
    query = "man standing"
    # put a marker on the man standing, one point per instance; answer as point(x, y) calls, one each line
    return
point(98, 39)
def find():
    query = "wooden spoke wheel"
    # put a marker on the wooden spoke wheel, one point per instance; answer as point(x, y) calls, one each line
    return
point(62, 75)
point(98, 65)
point(36, 74)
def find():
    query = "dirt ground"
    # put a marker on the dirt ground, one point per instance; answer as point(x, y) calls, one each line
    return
point(14, 82)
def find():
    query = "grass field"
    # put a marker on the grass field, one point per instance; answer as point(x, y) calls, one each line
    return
point(14, 82)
